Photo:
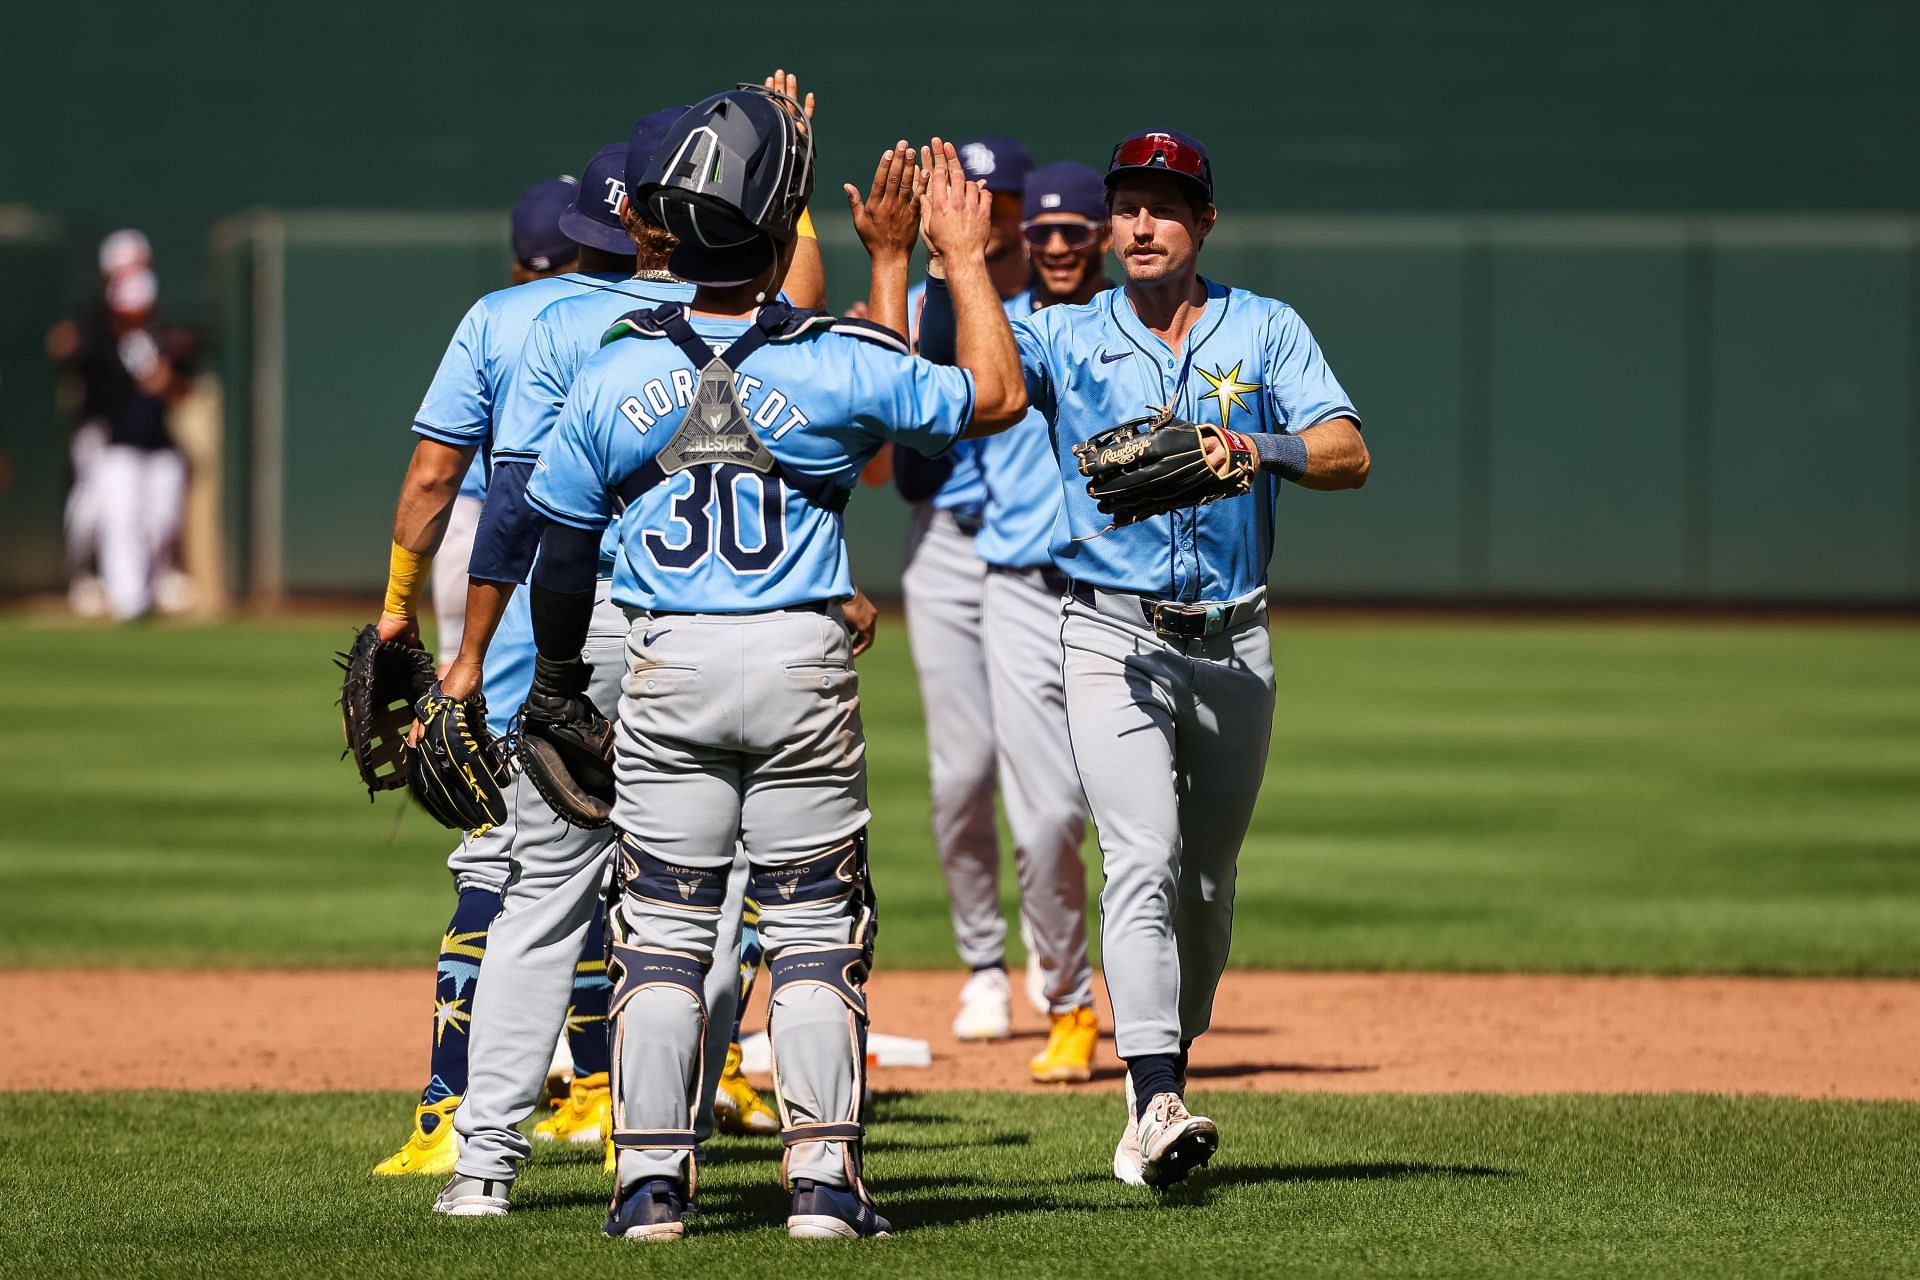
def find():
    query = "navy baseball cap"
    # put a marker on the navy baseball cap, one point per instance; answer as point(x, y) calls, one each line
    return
point(538, 242)
point(594, 217)
point(1065, 187)
point(648, 134)
point(1163, 151)
point(1001, 160)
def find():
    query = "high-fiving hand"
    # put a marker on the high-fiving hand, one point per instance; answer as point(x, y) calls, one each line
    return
point(954, 213)
point(784, 81)
point(888, 218)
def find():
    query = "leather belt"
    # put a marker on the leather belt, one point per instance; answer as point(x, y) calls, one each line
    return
point(1177, 619)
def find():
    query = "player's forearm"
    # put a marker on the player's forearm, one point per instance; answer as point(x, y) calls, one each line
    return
point(1337, 455)
point(486, 605)
point(562, 592)
point(427, 494)
point(419, 522)
point(887, 292)
point(983, 345)
point(806, 282)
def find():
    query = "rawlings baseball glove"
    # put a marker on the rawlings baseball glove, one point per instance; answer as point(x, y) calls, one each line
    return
point(1152, 465)
point(565, 746)
point(457, 771)
point(384, 679)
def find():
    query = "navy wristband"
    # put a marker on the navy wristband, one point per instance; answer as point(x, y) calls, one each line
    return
point(1282, 453)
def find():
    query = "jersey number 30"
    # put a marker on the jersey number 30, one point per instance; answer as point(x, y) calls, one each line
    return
point(697, 535)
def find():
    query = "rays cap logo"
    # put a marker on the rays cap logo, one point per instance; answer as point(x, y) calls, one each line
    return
point(1001, 162)
point(593, 219)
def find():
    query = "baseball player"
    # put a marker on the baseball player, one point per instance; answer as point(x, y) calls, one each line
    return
point(1168, 669)
point(1065, 235)
point(943, 584)
point(454, 422)
point(732, 430)
point(553, 906)
point(540, 249)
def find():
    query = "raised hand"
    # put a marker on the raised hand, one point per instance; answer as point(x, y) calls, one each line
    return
point(955, 218)
point(888, 218)
point(784, 81)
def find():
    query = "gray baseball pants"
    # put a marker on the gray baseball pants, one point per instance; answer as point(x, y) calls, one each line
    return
point(1038, 783)
point(944, 584)
point(737, 729)
point(1170, 740)
point(526, 976)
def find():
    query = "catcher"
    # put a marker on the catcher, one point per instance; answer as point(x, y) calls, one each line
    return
point(1166, 535)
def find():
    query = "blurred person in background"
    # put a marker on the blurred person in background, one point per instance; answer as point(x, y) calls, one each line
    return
point(129, 480)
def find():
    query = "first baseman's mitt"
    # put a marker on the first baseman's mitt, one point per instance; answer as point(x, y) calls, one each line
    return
point(565, 746)
point(384, 679)
point(457, 771)
point(1152, 465)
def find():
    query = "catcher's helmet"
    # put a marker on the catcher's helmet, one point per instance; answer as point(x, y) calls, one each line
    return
point(730, 180)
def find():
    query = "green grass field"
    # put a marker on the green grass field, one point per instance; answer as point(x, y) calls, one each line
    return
point(1440, 795)
point(985, 1185)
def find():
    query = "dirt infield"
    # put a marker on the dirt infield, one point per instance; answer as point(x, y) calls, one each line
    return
point(1349, 1033)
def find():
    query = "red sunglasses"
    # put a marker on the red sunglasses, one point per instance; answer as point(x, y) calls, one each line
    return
point(1171, 153)
point(1078, 235)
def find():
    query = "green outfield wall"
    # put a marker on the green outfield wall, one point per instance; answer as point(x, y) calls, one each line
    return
point(1626, 289)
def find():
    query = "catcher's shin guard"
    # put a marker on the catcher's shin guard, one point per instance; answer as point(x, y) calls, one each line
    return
point(650, 977)
point(830, 896)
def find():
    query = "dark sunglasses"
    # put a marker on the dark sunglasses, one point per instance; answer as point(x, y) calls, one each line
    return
point(1170, 152)
point(1078, 235)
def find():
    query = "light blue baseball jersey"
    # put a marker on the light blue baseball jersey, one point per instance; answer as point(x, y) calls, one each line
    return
point(561, 339)
point(964, 490)
point(725, 538)
point(461, 400)
point(461, 409)
point(1022, 484)
point(1250, 363)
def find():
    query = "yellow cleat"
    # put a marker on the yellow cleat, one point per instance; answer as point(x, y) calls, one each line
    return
point(433, 1147)
point(1068, 1057)
point(738, 1107)
point(584, 1116)
point(611, 1161)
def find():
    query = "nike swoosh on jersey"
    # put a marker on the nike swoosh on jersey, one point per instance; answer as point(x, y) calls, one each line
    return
point(1108, 357)
point(651, 636)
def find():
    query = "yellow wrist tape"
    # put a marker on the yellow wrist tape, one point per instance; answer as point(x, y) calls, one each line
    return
point(406, 576)
point(804, 227)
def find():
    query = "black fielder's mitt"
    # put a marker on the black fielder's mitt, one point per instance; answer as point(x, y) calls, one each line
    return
point(384, 679)
point(1155, 464)
point(458, 770)
point(564, 744)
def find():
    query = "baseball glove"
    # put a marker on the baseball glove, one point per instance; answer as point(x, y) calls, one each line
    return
point(384, 679)
point(565, 746)
point(457, 771)
point(1152, 465)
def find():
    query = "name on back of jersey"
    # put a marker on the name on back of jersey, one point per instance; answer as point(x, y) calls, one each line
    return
point(773, 411)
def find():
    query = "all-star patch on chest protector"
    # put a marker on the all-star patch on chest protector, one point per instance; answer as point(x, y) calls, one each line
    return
point(715, 430)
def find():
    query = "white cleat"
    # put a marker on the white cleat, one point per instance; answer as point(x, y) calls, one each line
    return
point(465, 1197)
point(1126, 1156)
point(1173, 1141)
point(986, 1007)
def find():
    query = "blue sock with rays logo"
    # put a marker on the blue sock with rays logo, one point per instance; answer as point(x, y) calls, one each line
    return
point(461, 948)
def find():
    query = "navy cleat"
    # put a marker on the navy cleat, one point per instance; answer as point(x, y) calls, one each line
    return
point(652, 1210)
point(832, 1213)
